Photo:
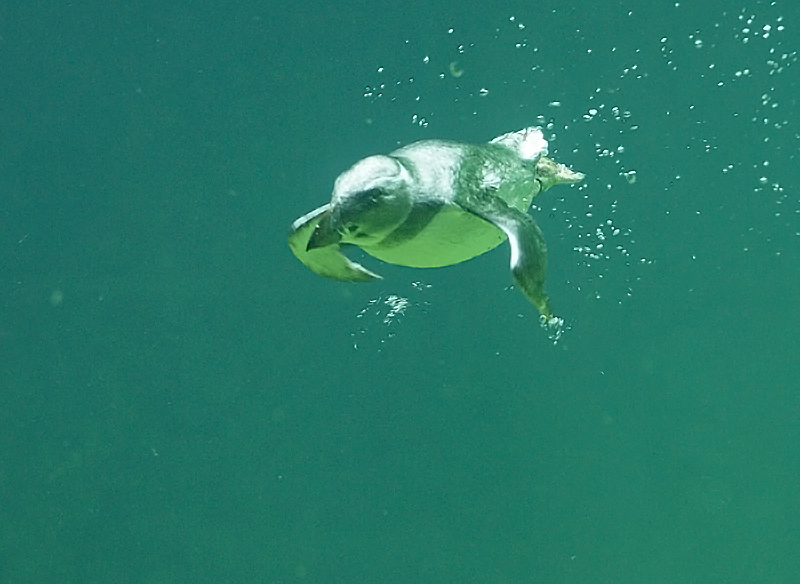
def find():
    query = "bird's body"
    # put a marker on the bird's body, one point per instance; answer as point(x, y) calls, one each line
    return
point(436, 203)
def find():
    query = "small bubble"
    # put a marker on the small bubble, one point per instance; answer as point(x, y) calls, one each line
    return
point(56, 297)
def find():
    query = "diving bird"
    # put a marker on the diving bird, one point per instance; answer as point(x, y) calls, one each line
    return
point(436, 203)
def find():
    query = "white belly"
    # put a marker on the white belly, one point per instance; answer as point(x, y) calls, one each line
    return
point(451, 237)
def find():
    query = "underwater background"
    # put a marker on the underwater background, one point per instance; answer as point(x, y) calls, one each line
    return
point(182, 401)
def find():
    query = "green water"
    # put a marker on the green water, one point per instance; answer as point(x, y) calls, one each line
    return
point(182, 401)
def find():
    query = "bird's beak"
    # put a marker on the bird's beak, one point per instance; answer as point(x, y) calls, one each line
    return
point(324, 234)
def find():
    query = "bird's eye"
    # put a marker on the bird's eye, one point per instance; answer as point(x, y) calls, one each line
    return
point(373, 194)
